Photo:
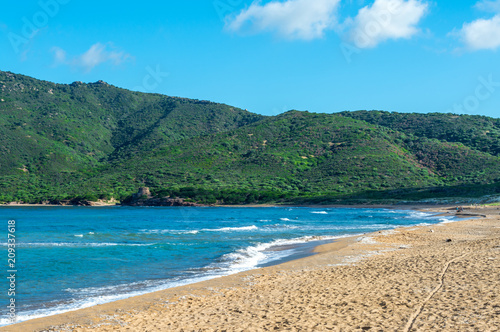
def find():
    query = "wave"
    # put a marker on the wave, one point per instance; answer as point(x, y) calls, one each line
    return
point(193, 232)
point(248, 256)
point(100, 296)
point(253, 256)
point(180, 232)
point(168, 231)
point(189, 232)
point(280, 226)
point(81, 235)
point(431, 216)
point(240, 260)
point(373, 227)
point(447, 220)
point(419, 215)
point(230, 229)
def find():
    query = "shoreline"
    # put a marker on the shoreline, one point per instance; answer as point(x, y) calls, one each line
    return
point(403, 206)
point(143, 301)
point(338, 253)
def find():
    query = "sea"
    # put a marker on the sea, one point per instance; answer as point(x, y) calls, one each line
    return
point(67, 258)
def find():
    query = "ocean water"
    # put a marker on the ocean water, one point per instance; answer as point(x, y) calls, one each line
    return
point(74, 257)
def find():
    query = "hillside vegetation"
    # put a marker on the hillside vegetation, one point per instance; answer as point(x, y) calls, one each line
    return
point(95, 141)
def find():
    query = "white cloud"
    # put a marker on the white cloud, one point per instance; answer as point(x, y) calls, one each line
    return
point(488, 6)
point(384, 20)
point(481, 34)
point(94, 56)
point(59, 55)
point(292, 19)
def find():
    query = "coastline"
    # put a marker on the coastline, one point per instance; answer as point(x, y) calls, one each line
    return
point(405, 206)
point(354, 253)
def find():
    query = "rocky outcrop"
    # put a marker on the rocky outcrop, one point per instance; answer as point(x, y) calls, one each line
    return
point(166, 201)
point(144, 198)
point(143, 192)
point(101, 82)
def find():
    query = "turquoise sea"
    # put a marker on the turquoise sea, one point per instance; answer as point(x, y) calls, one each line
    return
point(74, 257)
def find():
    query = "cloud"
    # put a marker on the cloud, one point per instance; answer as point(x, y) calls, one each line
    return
point(384, 20)
point(481, 34)
point(291, 19)
point(94, 56)
point(59, 55)
point(488, 6)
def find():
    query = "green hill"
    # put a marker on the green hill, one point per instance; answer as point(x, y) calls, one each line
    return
point(477, 132)
point(91, 141)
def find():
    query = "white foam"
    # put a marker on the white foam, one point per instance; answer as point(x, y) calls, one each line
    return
point(251, 257)
point(241, 260)
point(280, 226)
point(231, 229)
point(347, 227)
point(168, 231)
point(367, 240)
point(447, 220)
point(191, 232)
point(431, 216)
point(79, 235)
point(417, 215)
point(223, 229)
point(96, 300)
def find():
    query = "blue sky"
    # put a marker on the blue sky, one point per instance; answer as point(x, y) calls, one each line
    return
point(269, 56)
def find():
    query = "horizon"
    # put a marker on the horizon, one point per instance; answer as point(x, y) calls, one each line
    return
point(323, 56)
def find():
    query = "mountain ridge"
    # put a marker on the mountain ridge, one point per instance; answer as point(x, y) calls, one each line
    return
point(96, 141)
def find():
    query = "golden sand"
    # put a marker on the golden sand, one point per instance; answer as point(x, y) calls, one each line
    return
point(435, 278)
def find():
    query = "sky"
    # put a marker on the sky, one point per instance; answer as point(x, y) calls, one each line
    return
point(268, 56)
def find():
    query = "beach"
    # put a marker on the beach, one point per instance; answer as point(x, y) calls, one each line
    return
point(442, 277)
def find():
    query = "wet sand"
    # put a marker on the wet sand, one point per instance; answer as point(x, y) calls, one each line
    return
point(432, 278)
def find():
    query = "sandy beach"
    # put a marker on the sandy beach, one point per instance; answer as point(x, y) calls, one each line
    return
point(443, 277)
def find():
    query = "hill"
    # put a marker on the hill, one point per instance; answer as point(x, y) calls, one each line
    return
point(477, 132)
point(96, 141)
